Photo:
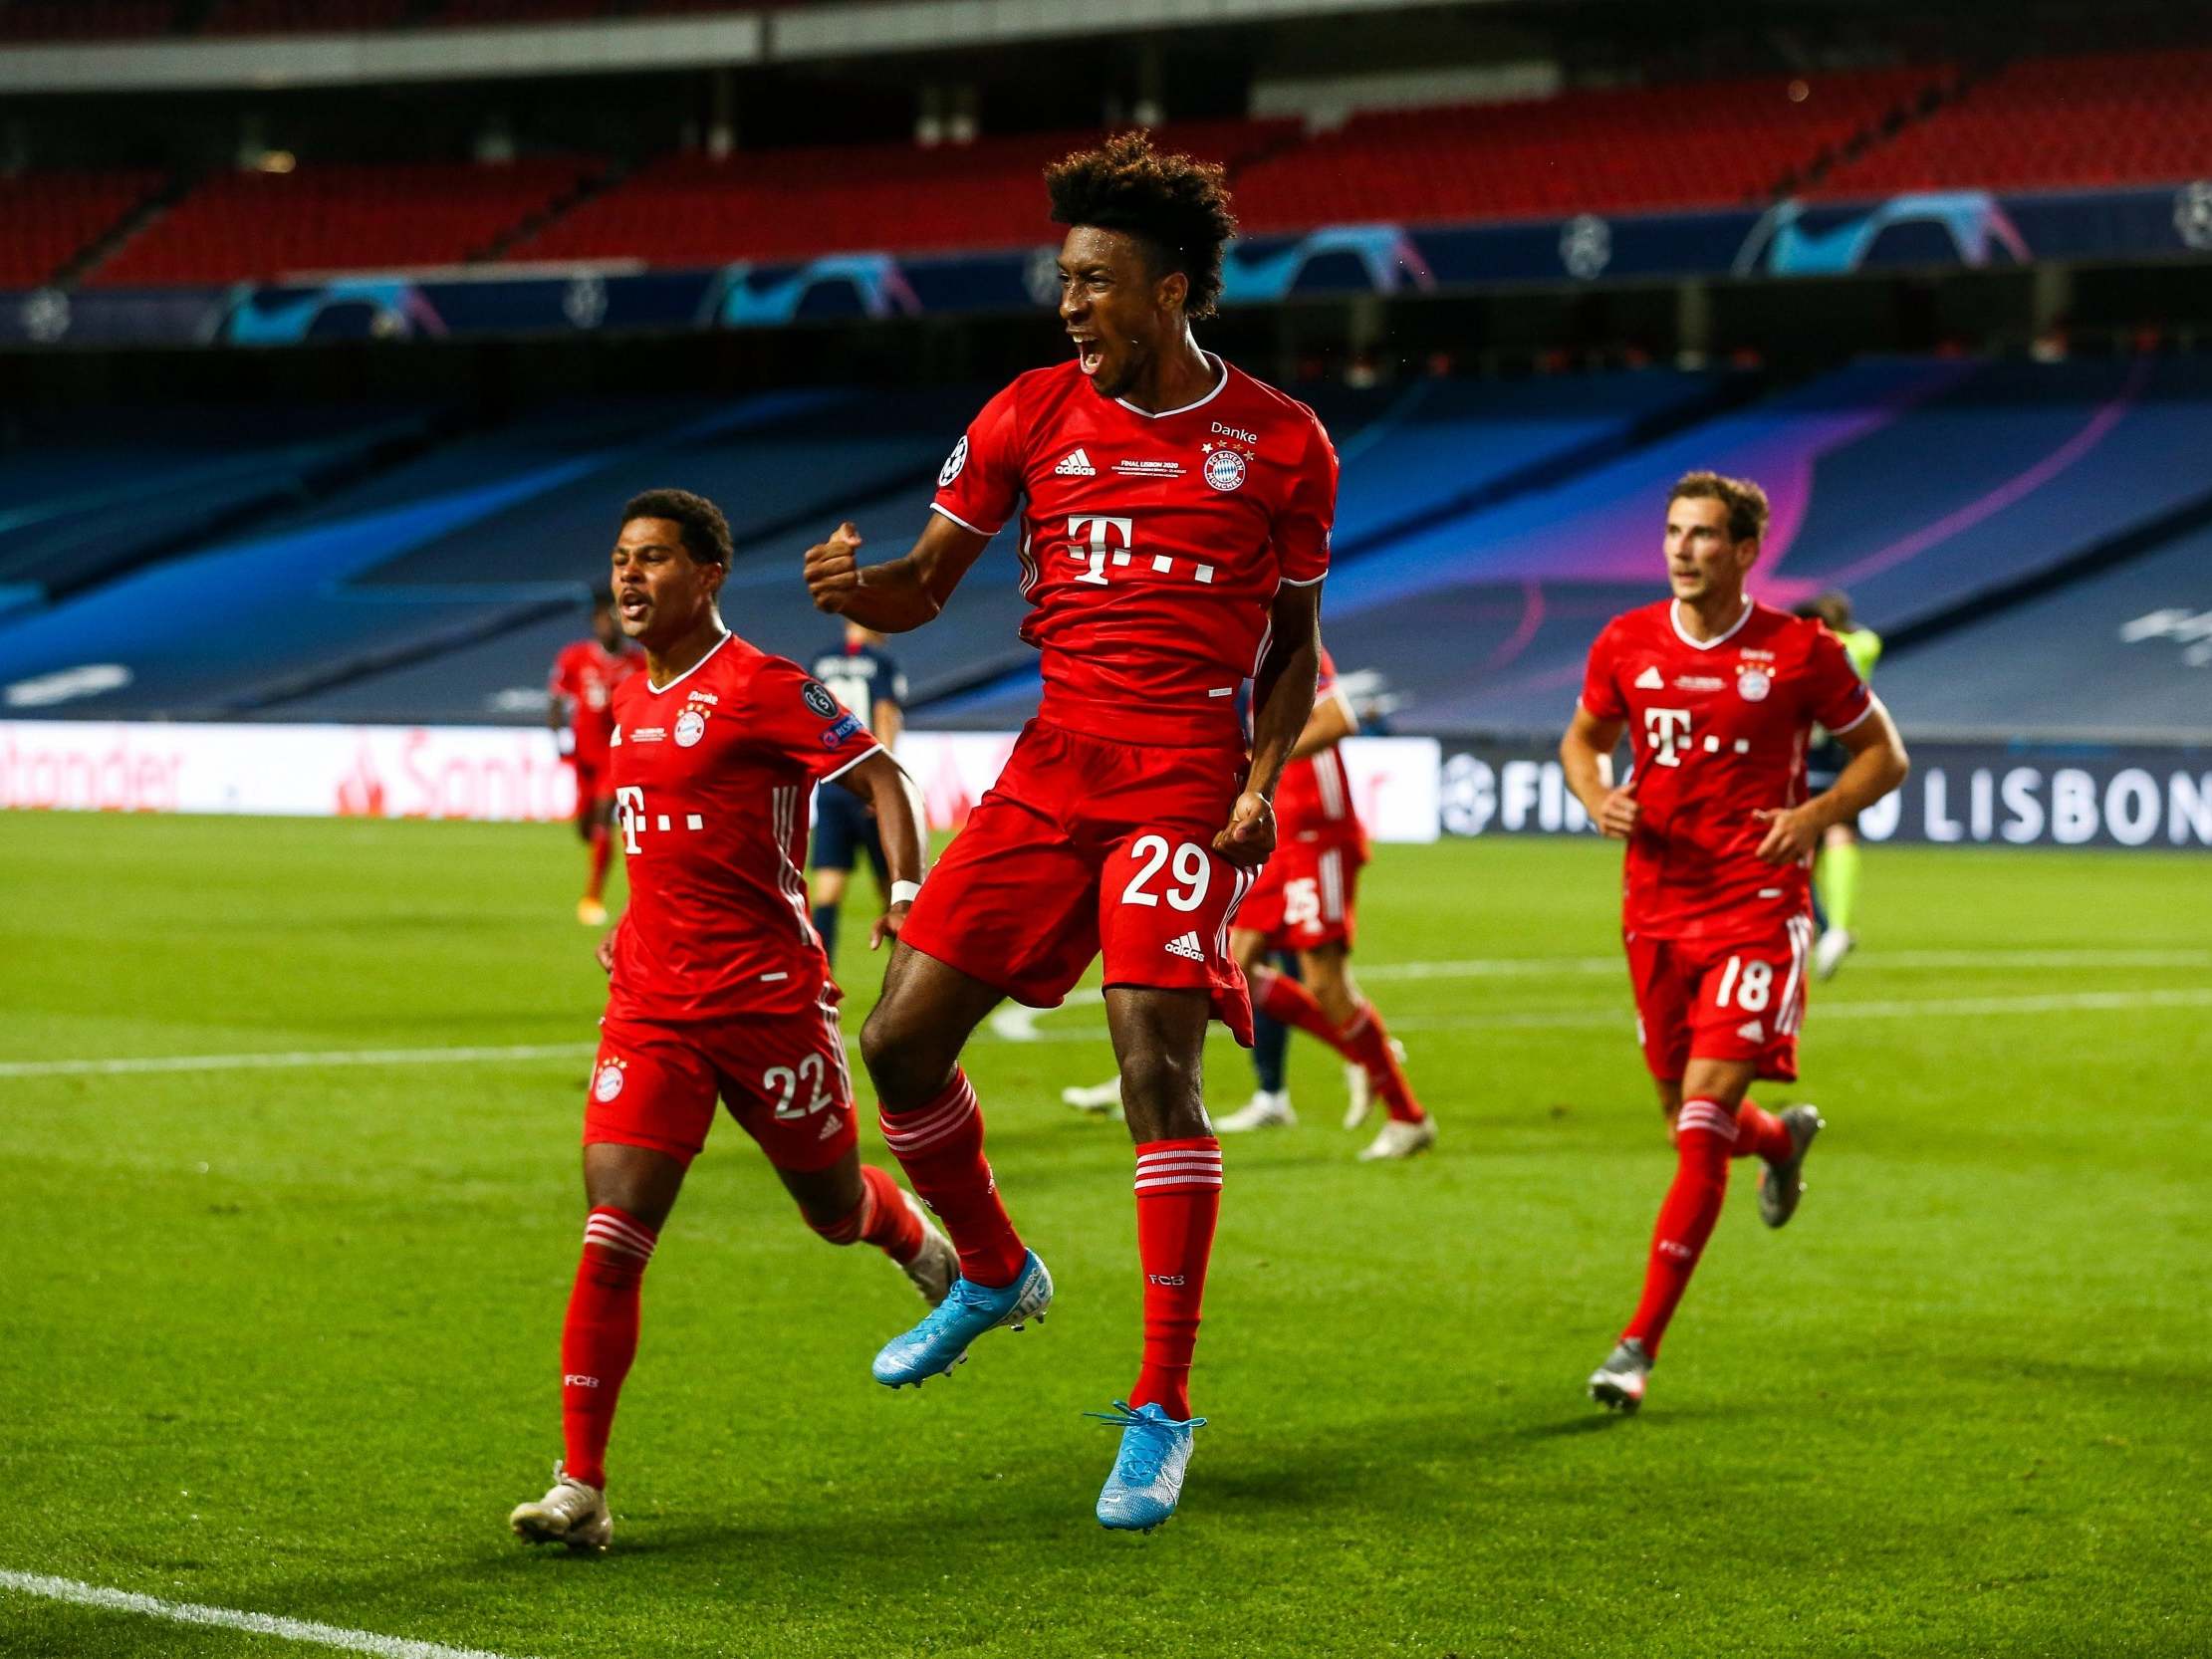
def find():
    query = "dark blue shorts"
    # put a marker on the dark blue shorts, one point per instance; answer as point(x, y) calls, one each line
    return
point(843, 829)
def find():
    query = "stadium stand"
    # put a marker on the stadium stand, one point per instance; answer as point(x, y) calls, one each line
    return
point(2098, 118)
point(28, 21)
point(1711, 143)
point(791, 204)
point(88, 499)
point(2125, 650)
point(337, 217)
point(51, 218)
point(293, 17)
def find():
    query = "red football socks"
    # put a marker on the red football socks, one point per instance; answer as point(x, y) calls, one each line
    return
point(600, 1338)
point(1178, 1196)
point(1704, 1134)
point(1284, 1001)
point(1363, 1041)
point(1760, 1134)
point(939, 1144)
point(603, 850)
point(882, 1218)
point(1367, 1045)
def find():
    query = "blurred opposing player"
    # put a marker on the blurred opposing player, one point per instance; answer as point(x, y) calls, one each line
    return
point(1174, 535)
point(1835, 875)
point(867, 682)
point(1718, 695)
point(718, 985)
point(585, 676)
point(1303, 901)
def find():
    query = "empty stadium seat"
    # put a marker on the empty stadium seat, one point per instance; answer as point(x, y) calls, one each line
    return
point(339, 217)
point(791, 204)
point(2101, 119)
point(51, 218)
point(1705, 143)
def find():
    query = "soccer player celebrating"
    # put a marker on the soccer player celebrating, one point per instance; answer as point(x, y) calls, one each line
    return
point(585, 676)
point(718, 985)
point(1174, 534)
point(868, 683)
point(1302, 902)
point(1719, 695)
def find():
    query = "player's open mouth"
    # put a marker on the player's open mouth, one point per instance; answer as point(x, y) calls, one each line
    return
point(634, 605)
point(1090, 353)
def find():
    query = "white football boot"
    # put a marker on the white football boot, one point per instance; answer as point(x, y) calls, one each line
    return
point(1359, 1088)
point(1400, 1139)
point(936, 1265)
point(1265, 1110)
point(1094, 1098)
point(572, 1514)
point(1829, 953)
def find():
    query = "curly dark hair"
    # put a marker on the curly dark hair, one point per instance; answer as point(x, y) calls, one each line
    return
point(1180, 207)
point(706, 533)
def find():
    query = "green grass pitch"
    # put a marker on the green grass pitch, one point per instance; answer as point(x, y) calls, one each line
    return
point(284, 1340)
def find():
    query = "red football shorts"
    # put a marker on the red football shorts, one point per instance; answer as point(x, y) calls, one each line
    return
point(1743, 1000)
point(1304, 897)
point(783, 1078)
point(1086, 847)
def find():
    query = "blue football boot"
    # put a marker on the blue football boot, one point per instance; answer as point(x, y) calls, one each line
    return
point(1147, 1478)
point(940, 1341)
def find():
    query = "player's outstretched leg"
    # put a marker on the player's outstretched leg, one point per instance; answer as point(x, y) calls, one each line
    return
point(1704, 1134)
point(935, 1127)
point(1333, 1010)
point(597, 1342)
point(1270, 1106)
point(1158, 1037)
point(888, 1216)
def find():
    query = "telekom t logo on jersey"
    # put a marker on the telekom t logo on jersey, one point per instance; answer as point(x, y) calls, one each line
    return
point(1669, 732)
point(1096, 541)
point(630, 815)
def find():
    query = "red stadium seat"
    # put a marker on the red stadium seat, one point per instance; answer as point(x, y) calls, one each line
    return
point(2103, 119)
point(339, 217)
point(53, 217)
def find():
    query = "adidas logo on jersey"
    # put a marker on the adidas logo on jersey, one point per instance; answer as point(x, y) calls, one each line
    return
point(1750, 1030)
point(1076, 465)
point(1187, 946)
point(1649, 680)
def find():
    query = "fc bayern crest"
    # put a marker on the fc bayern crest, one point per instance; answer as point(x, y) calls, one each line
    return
point(1753, 685)
point(608, 1082)
point(690, 727)
point(1225, 469)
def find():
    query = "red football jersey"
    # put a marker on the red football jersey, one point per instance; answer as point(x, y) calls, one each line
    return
point(587, 674)
point(1151, 545)
point(713, 776)
point(1313, 801)
point(1719, 731)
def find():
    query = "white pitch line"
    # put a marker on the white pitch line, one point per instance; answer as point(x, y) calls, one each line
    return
point(231, 1618)
point(1582, 1019)
point(1015, 1023)
point(293, 1058)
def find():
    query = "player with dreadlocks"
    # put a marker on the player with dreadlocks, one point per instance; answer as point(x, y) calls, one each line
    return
point(1174, 532)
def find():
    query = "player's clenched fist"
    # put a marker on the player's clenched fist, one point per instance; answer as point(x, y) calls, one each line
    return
point(833, 571)
point(1250, 836)
point(1619, 812)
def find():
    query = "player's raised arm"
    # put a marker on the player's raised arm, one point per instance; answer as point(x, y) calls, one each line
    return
point(1281, 703)
point(1586, 755)
point(1879, 764)
point(900, 596)
point(891, 792)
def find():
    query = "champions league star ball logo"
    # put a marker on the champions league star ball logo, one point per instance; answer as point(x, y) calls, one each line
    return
point(1753, 685)
point(690, 727)
point(608, 1082)
point(1225, 468)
